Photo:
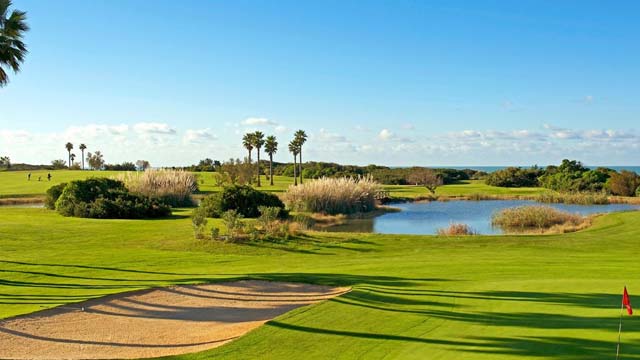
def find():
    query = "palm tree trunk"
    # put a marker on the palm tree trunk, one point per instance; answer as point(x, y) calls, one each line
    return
point(295, 175)
point(271, 169)
point(69, 159)
point(250, 181)
point(300, 165)
point(258, 163)
point(82, 159)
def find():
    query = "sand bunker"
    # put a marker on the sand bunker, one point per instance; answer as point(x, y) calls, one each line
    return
point(155, 322)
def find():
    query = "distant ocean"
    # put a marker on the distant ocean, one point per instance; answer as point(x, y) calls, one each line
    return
point(489, 169)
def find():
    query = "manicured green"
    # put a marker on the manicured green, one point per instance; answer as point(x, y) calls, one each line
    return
point(414, 297)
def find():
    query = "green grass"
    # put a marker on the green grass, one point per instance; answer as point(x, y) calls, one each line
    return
point(15, 184)
point(414, 297)
point(464, 188)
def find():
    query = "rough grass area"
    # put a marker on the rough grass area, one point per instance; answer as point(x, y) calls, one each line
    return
point(538, 217)
point(414, 297)
point(334, 196)
point(456, 230)
point(173, 187)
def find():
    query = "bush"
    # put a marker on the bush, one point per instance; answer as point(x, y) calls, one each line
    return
point(242, 198)
point(534, 217)
point(456, 230)
point(514, 177)
point(624, 183)
point(52, 195)
point(199, 222)
point(334, 196)
point(268, 219)
point(232, 220)
point(106, 199)
point(172, 187)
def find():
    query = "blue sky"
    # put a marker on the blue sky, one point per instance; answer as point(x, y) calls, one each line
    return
point(386, 82)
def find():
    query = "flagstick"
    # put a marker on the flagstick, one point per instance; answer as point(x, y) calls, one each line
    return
point(619, 331)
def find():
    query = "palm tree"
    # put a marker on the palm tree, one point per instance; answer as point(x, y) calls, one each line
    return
point(271, 147)
point(294, 148)
point(73, 158)
point(258, 142)
point(83, 147)
point(12, 49)
point(69, 147)
point(247, 142)
point(301, 137)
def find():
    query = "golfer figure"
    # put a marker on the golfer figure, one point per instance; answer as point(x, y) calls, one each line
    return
point(29, 177)
point(49, 176)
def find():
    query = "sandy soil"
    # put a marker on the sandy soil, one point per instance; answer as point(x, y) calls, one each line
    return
point(157, 322)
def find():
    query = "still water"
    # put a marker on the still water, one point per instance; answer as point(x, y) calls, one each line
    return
point(427, 217)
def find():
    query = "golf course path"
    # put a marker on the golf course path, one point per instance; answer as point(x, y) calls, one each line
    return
point(156, 322)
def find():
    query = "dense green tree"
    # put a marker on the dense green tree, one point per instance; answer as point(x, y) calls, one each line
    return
point(13, 25)
point(271, 147)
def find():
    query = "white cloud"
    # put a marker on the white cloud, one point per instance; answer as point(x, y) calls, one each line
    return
point(198, 136)
point(281, 129)
point(385, 134)
point(326, 136)
point(153, 128)
point(408, 126)
point(258, 121)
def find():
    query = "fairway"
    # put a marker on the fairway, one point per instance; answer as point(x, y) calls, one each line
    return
point(15, 184)
point(485, 297)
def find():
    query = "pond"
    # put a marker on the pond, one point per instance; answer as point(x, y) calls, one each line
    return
point(423, 218)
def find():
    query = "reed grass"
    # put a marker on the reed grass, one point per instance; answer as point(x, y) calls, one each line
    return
point(173, 187)
point(536, 217)
point(334, 196)
point(574, 198)
point(457, 230)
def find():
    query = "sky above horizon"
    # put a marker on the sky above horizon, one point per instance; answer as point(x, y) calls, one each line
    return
point(394, 83)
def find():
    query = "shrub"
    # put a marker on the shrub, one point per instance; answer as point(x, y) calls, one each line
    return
point(52, 195)
point(242, 198)
point(457, 230)
point(172, 187)
point(268, 219)
point(304, 221)
point(334, 196)
point(534, 217)
point(106, 198)
point(514, 177)
point(232, 220)
point(199, 222)
point(215, 233)
point(624, 183)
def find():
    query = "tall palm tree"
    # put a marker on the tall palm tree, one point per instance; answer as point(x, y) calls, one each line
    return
point(12, 49)
point(247, 142)
point(258, 142)
point(294, 148)
point(301, 137)
point(69, 147)
point(73, 158)
point(82, 148)
point(271, 147)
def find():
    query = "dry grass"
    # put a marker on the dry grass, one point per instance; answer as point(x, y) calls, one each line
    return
point(574, 198)
point(174, 187)
point(334, 196)
point(539, 218)
point(456, 230)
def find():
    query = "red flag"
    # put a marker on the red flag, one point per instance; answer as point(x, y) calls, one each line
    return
point(626, 302)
